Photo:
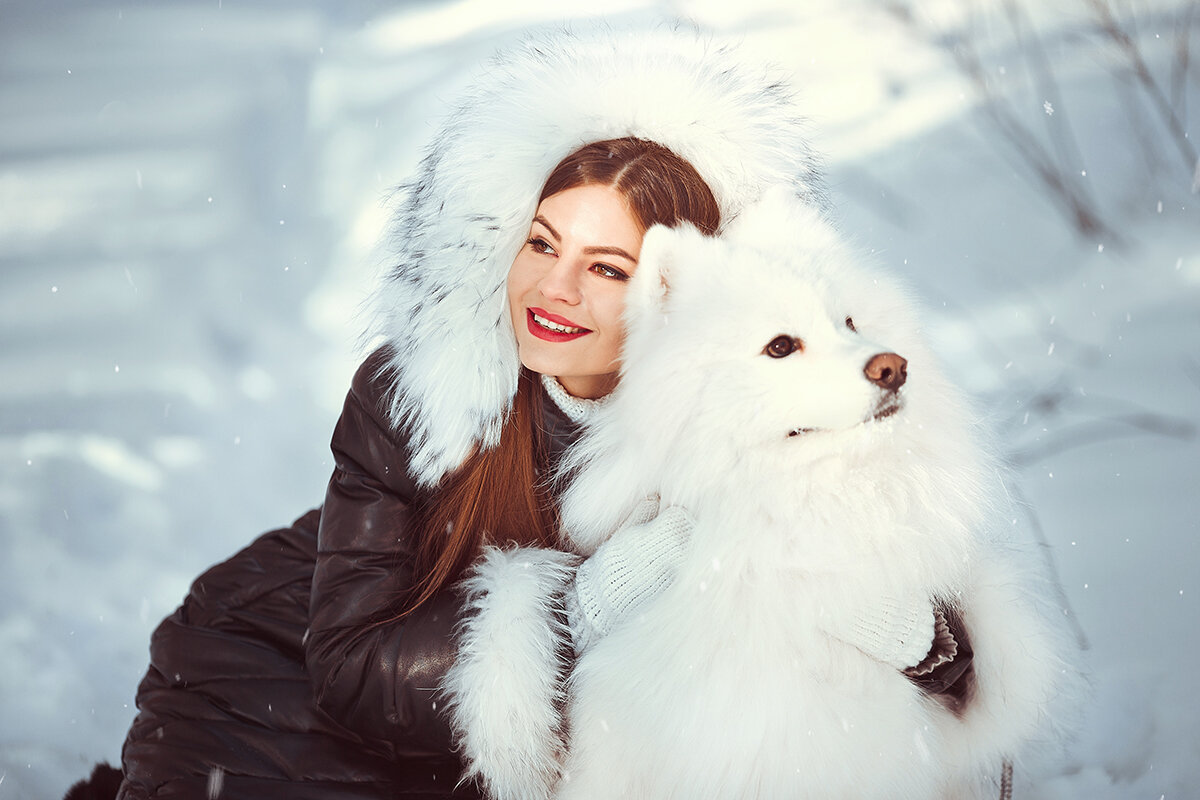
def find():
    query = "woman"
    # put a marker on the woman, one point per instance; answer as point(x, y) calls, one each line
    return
point(228, 683)
point(311, 663)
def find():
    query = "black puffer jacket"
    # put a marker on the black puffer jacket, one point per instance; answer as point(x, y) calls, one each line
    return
point(272, 680)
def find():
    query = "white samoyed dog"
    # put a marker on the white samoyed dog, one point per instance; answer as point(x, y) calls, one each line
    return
point(784, 396)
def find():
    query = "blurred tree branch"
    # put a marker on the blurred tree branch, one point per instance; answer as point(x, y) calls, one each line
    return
point(1133, 54)
point(1051, 171)
point(1179, 69)
point(1053, 161)
point(1099, 429)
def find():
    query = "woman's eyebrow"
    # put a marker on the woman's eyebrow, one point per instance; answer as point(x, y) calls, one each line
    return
point(609, 251)
point(594, 250)
point(542, 221)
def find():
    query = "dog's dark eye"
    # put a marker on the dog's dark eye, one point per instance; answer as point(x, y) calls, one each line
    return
point(782, 346)
point(850, 324)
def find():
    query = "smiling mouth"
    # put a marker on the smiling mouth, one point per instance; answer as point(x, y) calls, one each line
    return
point(552, 330)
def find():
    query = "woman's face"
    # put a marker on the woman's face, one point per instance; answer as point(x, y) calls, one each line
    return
point(566, 288)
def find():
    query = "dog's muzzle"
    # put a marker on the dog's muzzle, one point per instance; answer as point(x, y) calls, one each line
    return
point(889, 404)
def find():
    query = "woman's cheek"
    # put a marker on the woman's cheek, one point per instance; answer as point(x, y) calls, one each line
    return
point(616, 327)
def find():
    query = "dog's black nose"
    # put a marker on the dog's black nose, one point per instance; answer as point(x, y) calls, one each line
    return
point(887, 371)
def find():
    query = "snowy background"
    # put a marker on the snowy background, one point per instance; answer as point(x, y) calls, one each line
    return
point(191, 197)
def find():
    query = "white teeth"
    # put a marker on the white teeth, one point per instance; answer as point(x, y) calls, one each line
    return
point(554, 326)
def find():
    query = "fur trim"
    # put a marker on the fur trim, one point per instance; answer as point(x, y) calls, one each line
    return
point(505, 689)
point(464, 217)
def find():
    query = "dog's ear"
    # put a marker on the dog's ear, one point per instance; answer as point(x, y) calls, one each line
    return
point(655, 271)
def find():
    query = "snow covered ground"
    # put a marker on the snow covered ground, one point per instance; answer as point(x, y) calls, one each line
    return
point(191, 200)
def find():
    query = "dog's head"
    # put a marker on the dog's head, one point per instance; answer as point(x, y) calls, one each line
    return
point(752, 355)
point(767, 333)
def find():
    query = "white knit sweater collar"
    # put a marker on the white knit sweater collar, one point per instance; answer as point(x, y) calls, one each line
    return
point(577, 409)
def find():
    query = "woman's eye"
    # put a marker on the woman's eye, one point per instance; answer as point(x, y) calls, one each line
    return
point(539, 245)
point(609, 272)
point(782, 346)
point(850, 324)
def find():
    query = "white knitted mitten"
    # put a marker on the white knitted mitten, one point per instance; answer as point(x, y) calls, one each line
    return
point(636, 564)
point(897, 632)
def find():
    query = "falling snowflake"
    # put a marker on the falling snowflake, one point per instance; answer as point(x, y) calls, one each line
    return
point(216, 780)
point(1048, 108)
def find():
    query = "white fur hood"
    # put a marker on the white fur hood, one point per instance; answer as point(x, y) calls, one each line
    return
point(465, 214)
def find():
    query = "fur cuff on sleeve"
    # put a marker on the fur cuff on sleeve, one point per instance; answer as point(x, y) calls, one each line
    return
point(505, 689)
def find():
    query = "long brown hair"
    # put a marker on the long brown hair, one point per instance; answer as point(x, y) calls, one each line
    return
point(497, 494)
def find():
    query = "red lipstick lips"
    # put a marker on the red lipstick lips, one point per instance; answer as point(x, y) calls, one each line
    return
point(549, 334)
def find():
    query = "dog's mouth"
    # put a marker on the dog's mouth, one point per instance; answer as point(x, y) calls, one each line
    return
point(886, 408)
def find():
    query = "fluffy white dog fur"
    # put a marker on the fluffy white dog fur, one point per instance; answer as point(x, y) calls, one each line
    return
point(725, 686)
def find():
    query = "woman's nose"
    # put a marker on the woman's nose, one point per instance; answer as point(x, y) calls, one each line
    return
point(561, 282)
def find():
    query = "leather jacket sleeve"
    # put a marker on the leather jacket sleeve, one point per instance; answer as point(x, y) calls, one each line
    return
point(376, 675)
